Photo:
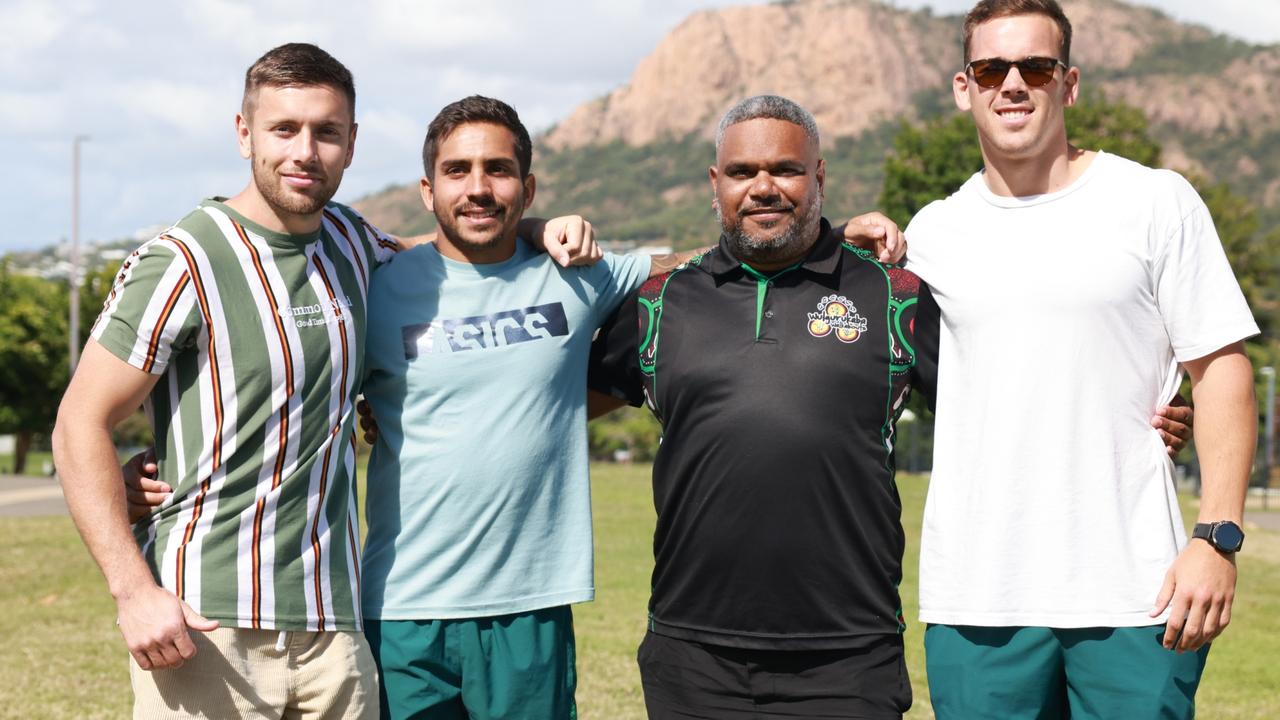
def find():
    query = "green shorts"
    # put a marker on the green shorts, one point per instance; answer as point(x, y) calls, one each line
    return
point(508, 666)
point(1047, 673)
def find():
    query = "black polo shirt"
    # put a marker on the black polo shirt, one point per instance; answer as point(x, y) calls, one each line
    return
point(778, 516)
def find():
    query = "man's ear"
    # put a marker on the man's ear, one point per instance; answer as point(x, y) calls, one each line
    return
point(960, 91)
point(1070, 86)
point(822, 176)
point(530, 185)
point(351, 145)
point(428, 197)
point(243, 137)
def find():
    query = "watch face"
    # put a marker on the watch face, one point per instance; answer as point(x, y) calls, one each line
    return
point(1228, 537)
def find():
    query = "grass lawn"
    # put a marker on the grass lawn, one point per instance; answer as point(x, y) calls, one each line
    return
point(62, 657)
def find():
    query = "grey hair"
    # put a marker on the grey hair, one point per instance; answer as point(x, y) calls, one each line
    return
point(771, 107)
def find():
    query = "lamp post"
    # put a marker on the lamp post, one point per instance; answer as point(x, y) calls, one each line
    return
point(73, 337)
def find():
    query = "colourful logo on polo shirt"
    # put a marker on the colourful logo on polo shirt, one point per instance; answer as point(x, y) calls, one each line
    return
point(836, 313)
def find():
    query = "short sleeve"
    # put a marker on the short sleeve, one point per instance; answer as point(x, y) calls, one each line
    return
point(1199, 299)
point(384, 246)
point(614, 366)
point(378, 246)
point(151, 311)
point(616, 276)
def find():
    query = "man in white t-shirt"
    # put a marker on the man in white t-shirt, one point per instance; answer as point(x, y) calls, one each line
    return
point(1055, 573)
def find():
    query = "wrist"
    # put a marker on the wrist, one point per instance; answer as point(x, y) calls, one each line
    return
point(128, 586)
point(1224, 536)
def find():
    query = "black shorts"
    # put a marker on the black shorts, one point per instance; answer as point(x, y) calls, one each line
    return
point(684, 679)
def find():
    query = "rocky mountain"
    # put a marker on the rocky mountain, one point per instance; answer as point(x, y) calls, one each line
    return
point(635, 160)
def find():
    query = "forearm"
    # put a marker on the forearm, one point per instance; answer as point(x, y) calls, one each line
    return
point(665, 263)
point(1226, 435)
point(599, 404)
point(89, 471)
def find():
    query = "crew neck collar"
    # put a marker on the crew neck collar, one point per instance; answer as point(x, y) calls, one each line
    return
point(522, 253)
point(272, 237)
point(979, 183)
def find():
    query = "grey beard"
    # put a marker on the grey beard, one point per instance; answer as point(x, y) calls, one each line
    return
point(794, 241)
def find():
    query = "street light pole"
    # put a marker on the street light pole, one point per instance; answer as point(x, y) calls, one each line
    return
point(73, 337)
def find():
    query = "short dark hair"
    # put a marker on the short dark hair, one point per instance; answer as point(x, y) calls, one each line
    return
point(476, 109)
point(294, 65)
point(987, 10)
point(768, 107)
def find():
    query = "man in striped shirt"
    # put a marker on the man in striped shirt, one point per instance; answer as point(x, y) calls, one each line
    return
point(242, 329)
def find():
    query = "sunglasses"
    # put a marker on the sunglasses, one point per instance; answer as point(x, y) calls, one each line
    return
point(1035, 71)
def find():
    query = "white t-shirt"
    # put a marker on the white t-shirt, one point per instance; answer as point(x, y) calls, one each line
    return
point(1064, 317)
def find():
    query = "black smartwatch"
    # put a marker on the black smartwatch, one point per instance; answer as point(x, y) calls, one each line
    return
point(1225, 536)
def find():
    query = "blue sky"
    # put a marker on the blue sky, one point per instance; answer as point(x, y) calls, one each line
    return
point(156, 86)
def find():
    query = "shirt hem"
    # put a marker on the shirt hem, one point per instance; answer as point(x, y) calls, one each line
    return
point(1052, 620)
point(505, 607)
point(1222, 339)
point(346, 624)
point(762, 641)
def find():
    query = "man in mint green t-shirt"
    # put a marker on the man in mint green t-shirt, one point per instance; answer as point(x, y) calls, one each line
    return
point(479, 503)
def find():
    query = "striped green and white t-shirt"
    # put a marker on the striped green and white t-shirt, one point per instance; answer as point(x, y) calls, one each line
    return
point(258, 338)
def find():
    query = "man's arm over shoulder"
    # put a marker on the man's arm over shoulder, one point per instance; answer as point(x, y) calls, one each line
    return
point(614, 365)
point(618, 275)
point(926, 327)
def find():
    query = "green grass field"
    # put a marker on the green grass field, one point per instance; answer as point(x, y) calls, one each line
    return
point(61, 656)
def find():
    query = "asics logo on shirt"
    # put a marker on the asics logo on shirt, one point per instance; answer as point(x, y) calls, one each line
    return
point(485, 332)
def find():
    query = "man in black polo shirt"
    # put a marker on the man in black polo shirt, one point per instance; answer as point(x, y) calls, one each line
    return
point(777, 363)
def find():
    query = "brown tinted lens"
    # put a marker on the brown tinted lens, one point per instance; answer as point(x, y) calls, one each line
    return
point(1037, 71)
point(989, 73)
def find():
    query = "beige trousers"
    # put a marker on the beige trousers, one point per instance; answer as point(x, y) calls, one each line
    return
point(243, 673)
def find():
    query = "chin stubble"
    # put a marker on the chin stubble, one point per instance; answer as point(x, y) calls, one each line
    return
point(793, 241)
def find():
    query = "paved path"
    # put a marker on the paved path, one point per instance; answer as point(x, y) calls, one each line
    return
point(22, 496)
point(25, 496)
point(1269, 521)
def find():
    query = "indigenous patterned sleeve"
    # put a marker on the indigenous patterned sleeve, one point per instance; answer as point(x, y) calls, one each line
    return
point(614, 368)
point(925, 328)
point(153, 307)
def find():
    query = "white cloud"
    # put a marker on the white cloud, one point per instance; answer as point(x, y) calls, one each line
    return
point(31, 113)
point(32, 25)
point(193, 110)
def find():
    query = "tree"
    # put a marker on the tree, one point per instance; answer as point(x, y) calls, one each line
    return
point(1095, 123)
point(928, 163)
point(33, 357)
point(634, 430)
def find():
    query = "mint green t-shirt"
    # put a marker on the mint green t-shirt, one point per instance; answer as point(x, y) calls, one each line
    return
point(478, 495)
